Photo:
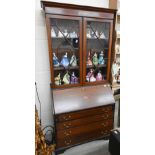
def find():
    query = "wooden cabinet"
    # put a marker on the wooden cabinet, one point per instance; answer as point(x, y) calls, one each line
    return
point(82, 114)
point(80, 44)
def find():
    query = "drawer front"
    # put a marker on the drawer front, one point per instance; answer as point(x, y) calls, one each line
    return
point(85, 129)
point(84, 121)
point(83, 137)
point(84, 113)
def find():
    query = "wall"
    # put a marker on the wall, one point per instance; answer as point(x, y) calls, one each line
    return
point(42, 67)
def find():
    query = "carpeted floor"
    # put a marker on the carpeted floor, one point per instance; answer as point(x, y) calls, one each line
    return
point(99, 147)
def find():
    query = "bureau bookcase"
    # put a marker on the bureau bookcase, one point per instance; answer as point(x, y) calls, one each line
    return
point(80, 45)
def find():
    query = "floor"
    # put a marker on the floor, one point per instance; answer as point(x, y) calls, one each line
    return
point(99, 147)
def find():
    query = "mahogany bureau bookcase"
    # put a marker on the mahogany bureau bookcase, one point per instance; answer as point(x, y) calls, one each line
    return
point(80, 46)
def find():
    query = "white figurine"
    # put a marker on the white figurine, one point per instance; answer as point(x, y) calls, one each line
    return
point(60, 35)
point(66, 33)
point(88, 34)
point(53, 34)
point(102, 36)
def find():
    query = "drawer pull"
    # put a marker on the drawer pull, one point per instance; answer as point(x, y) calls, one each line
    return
point(67, 133)
point(66, 118)
point(105, 116)
point(68, 142)
point(67, 125)
point(104, 124)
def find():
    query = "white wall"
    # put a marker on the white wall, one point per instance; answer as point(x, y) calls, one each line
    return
point(42, 67)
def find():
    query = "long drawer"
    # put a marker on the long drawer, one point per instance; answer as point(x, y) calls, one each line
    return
point(85, 129)
point(84, 121)
point(83, 113)
point(83, 137)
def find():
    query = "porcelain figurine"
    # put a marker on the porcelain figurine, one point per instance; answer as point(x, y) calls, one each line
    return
point(65, 61)
point(53, 34)
point(73, 61)
point(60, 35)
point(66, 78)
point(66, 33)
point(88, 34)
point(55, 60)
point(89, 62)
point(101, 58)
point(90, 76)
point(74, 79)
point(102, 36)
point(95, 59)
point(57, 80)
point(99, 76)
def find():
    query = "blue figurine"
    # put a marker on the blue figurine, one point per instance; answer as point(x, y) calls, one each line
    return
point(65, 61)
point(101, 59)
point(55, 60)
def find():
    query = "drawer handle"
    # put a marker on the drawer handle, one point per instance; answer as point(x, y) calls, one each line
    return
point(68, 133)
point(104, 124)
point(105, 116)
point(67, 143)
point(65, 118)
point(67, 125)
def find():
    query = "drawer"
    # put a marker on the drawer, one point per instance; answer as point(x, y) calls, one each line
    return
point(85, 129)
point(91, 135)
point(83, 121)
point(83, 113)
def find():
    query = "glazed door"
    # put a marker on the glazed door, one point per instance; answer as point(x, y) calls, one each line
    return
point(97, 50)
point(65, 48)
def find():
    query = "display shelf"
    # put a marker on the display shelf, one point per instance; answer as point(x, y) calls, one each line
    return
point(66, 68)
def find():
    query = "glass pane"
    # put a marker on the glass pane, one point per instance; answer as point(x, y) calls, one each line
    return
point(97, 51)
point(65, 48)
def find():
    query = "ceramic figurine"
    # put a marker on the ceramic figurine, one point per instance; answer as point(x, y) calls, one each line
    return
point(55, 60)
point(65, 61)
point(102, 36)
point(53, 34)
point(95, 59)
point(101, 59)
point(60, 35)
point(74, 35)
point(90, 76)
point(89, 62)
point(57, 80)
point(74, 79)
point(65, 33)
point(66, 78)
point(73, 61)
point(99, 76)
point(88, 34)
point(76, 42)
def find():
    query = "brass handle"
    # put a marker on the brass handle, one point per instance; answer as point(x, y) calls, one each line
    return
point(105, 116)
point(67, 143)
point(104, 124)
point(65, 117)
point(67, 133)
point(67, 125)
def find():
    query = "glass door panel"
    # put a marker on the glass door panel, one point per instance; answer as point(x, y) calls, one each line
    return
point(66, 46)
point(96, 49)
